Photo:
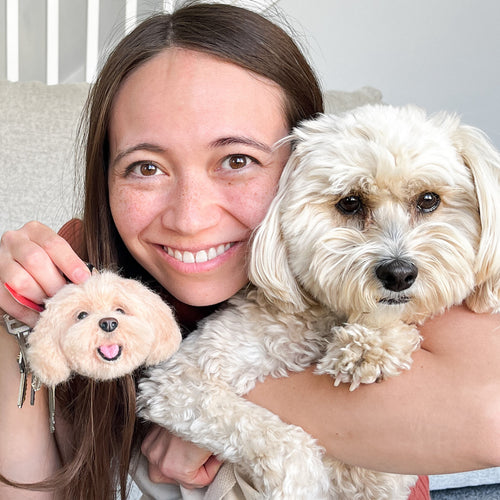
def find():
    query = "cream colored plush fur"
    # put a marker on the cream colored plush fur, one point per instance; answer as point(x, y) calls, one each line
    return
point(102, 329)
point(383, 217)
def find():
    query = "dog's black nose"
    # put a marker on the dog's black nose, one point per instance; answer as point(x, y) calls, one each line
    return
point(108, 324)
point(396, 275)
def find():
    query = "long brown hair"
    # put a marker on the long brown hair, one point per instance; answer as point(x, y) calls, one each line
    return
point(102, 415)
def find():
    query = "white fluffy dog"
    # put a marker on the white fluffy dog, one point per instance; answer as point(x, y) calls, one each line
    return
point(383, 217)
point(103, 329)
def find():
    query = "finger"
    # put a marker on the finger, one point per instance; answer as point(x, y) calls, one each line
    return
point(35, 278)
point(63, 259)
point(150, 442)
point(212, 466)
point(204, 475)
point(185, 462)
point(11, 272)
point(156, 476)
point(38, 261)
point(174, 460)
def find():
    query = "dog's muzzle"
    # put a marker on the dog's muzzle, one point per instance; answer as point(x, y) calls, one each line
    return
point(109, 352)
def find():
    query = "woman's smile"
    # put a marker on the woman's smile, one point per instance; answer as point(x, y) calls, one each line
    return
point(199, 262)
point(198, 256)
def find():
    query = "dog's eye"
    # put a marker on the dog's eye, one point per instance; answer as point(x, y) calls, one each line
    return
point(428, 202)
point(350, 205)
point(120, 310)
point(82, 315)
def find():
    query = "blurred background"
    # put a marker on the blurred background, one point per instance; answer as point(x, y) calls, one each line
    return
point(441, 54)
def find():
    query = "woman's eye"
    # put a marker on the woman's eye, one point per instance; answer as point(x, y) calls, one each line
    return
point(350, 205)
point(428, 202)
point(82, 315)
point(144, 169)
point(236, 162)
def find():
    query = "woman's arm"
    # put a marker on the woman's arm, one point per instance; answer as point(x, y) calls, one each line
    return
point(441, 416)
point(28, 451)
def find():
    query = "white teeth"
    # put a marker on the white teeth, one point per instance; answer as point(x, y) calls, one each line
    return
point(201, 256)
point(188, 258)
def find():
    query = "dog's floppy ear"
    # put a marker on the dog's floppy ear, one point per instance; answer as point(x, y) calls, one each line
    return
point(167, 334)
point(159, 318)
point(268, 265)
point(45, 355)
point(483, 161)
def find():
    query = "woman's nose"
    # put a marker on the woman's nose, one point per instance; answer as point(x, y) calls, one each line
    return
point(192, 206)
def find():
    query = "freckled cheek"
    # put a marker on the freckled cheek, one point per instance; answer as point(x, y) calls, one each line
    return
point(253, 203)
point(130, 211)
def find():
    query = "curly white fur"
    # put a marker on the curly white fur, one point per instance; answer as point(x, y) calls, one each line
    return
point(383, 217)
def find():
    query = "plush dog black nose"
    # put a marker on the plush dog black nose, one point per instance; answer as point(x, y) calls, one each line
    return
point(108, 324)
point(397, 275)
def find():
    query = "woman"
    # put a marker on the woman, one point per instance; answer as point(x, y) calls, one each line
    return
point(181, 126)
point(180, 167)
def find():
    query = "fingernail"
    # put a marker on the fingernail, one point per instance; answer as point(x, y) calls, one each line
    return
point(80, 275)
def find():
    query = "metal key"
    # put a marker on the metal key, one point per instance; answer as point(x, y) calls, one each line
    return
point(19, 330)
point(36, 384)
point(52, 408)
point(23, 381)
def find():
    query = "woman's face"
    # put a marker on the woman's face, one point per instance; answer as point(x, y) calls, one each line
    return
point(193, 169)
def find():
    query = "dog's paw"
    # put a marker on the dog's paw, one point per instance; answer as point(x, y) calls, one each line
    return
point(361, 355)
point(290, 465)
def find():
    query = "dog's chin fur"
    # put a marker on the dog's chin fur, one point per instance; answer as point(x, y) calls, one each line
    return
point(64, 341)
point(319, 297)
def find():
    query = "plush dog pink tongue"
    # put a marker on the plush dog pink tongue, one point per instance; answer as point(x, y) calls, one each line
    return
point(110, 351)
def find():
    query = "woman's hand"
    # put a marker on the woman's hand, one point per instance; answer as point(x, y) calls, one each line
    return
point(35, 262)
point(174, 461)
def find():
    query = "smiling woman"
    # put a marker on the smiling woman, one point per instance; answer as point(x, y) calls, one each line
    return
point(180, 167)
point(176, 187)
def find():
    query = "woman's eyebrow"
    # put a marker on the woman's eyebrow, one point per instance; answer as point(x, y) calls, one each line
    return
point(241, 140)
point(143, 146)
point(223, 141)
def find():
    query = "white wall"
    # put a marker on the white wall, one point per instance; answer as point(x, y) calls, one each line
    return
point(440, 54)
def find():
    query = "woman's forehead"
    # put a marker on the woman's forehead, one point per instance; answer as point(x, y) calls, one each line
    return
point(176, 69)
point(190, 91)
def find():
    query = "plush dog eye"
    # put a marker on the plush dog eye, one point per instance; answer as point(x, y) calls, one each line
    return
point(82, 315)
point(350, 205)
point(428, 202)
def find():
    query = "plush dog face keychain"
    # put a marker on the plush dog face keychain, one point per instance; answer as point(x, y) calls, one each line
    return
point(103, 329)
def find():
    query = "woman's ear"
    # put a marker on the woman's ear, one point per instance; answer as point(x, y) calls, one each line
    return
point(483, 160)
